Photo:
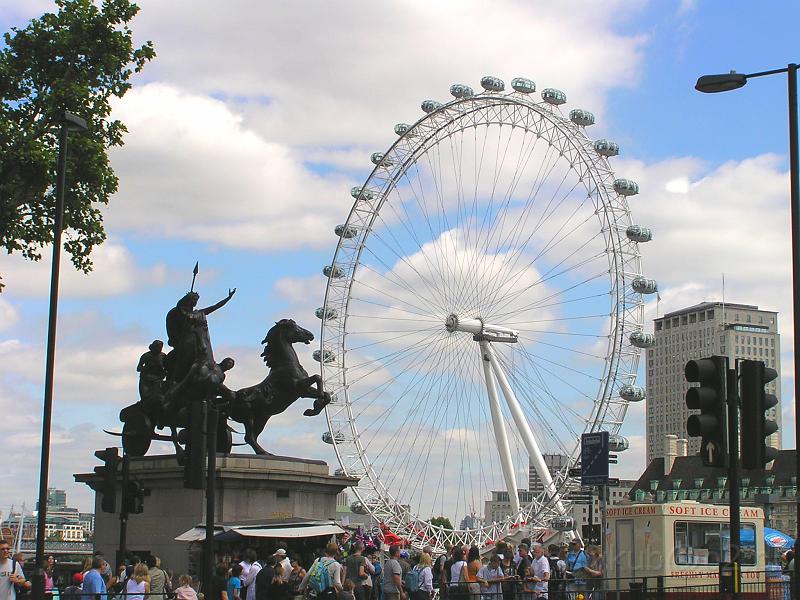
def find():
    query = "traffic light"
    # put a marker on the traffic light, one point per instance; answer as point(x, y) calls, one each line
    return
point(134, 498)
point(710, 399)
point(110, 458)
point(756, 427)
point(194, 460)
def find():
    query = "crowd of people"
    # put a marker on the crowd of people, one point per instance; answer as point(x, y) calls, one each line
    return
point(528, 571)
point(95, 580)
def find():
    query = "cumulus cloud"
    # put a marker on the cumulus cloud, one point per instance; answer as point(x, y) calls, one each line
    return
point(309, 73)
point(191, 170)
point(116, 272)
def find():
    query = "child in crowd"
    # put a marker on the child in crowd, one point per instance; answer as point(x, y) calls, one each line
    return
point(185, 590)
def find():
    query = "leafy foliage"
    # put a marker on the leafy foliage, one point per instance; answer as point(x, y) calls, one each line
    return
point(442, 522)
point(75, 60)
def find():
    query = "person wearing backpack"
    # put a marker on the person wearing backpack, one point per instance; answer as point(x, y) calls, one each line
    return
point(324, 579)
point(556, 582)
point(426, 577)
point(357, 569)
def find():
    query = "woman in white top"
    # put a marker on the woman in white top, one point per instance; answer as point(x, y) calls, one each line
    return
point(139, 584)
point(458, 573)
point(425, 591)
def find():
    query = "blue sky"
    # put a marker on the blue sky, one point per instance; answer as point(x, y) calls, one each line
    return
point(246, 120)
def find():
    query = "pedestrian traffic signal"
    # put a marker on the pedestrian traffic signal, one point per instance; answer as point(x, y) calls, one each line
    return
point(756, 427)
point(134, 498)
point(195, 447)
point(710, 399)
point(108, 473)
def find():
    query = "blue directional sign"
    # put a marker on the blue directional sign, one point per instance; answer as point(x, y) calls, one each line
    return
point(594, 458)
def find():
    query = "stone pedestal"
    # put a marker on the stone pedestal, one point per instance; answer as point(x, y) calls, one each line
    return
point(249, 487)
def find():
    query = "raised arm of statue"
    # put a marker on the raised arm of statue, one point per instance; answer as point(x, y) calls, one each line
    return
point(220, 304)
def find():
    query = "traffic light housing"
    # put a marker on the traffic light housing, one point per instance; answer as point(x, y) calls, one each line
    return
point(134, 498)
point(194, 460)
point(756, 427)
point(710, 399)
point(108, 472)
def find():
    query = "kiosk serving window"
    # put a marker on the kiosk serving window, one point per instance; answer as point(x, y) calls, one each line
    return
point(706, 543)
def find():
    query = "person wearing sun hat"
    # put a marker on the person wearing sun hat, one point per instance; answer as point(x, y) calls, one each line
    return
point(283, 560)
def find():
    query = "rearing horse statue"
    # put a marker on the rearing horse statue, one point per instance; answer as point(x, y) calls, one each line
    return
point(286, 382)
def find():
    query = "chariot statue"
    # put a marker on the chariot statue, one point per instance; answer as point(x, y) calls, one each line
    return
point(169, 383)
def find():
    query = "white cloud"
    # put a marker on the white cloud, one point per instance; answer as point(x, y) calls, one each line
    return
point(115, 273)
point(328, 74)
point(9, 315)
point(191, 170)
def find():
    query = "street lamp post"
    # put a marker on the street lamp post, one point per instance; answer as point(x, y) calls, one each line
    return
point(69, 122)
point(732, 81)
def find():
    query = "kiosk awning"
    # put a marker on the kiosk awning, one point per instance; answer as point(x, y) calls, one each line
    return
point(229, 532)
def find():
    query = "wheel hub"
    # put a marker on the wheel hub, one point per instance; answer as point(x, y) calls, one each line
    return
point(481, 330)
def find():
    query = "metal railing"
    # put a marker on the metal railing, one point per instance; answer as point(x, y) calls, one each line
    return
point(763, 585)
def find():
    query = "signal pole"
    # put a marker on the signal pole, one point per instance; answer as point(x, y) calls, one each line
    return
point(733, 478)
point(123, 511)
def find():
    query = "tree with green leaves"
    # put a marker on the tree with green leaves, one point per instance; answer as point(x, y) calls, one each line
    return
point(75, 59)
point(442, 522)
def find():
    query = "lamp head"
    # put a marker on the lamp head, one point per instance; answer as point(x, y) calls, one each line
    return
point(711, 84)
point(74, 122)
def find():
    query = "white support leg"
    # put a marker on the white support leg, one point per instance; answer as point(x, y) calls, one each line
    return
point(500, 435)
point(524, 429)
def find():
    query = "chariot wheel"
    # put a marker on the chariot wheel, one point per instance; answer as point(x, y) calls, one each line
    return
point(137, 433)
point(224, 437)
point(483, 309)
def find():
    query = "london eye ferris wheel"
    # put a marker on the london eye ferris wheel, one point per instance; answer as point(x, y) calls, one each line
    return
point(483, 309)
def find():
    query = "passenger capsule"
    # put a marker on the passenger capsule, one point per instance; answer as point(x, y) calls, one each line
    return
point(326, 357)
point(618, 443)
point(358, 192)
point(333, 271)
point(523, 85)
point(640, 339)
point(459, 90)
point(358, 508)
point(345, 231)
point(637, 233)
point(378, 158)
point(401, 128)
point(340, 472)
point(329, 438)
point(492, 84)
point(626, 187)
point(631, 393)
point(606, 148)
point(554, 96)
point(326, 312)
point(643, 285)
point(563, 523)
point(429, 106)
point(581, 117)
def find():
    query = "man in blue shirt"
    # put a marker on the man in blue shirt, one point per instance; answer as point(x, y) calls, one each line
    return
point(577, 561)
point(94, 587)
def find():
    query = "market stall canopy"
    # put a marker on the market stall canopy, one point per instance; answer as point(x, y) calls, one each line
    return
point(269, 528)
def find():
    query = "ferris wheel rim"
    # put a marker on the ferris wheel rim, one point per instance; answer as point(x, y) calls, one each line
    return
point(602, 401)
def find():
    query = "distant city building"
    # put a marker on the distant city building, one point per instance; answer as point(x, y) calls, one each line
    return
point(617, 494)
point(63, 523)
point(470, 521)
point(554, 462)
point(707, 329)
point(499, 507)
